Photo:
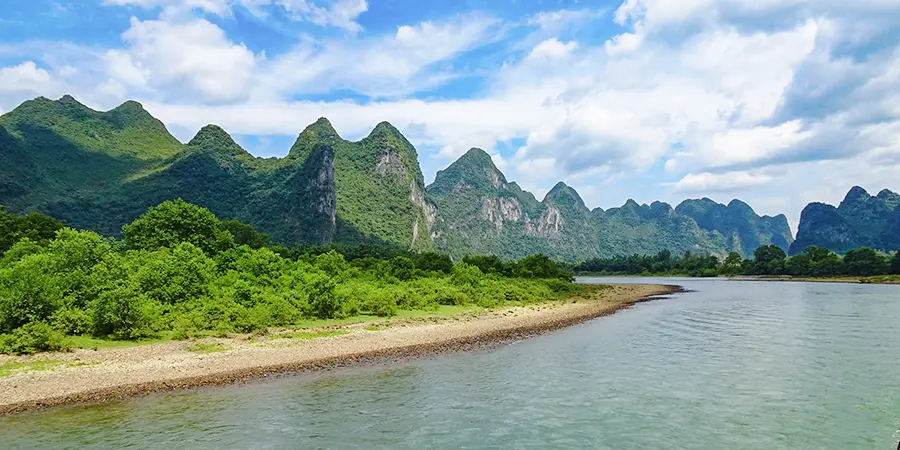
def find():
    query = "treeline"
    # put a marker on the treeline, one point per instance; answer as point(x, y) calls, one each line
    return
point(766, 260)
point(179, 271)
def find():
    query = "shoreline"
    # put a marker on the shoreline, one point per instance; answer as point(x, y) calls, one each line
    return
point(107, 375)
point(876, 279)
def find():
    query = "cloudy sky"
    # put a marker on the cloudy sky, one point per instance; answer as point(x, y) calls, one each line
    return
point(777, 102)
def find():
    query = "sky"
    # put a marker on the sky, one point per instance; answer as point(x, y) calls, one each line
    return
point(776, 102)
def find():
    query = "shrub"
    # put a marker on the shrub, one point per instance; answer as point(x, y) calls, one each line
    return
point(122, 313)
point(28, 292)
point(71, 320)
point(173, 222)
point(33, 337)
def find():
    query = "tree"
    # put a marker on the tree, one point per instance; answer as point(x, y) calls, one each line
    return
point(434, 262)
point(487, 264)
point(823, 262)
point(895, 264)
point(732, 264)
point(798, 265)
point(245, 234)
point(36, 227)
point(769, 260)
point(173, 222)
point(864, 262)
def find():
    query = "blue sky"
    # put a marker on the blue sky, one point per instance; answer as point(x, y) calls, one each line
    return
point(776, 102)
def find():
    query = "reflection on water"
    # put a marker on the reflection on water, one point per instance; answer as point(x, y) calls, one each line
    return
point(749, 365)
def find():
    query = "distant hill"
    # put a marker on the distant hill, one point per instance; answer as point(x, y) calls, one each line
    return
point(99, 170)
point(861, 220)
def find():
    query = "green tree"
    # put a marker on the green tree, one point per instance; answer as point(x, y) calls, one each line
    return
point(865, 262)
point(732, 264)
point(173, 222)
point(434, 262)
point(245, 234)
point(29, 292)
point(487, 264)
point(769, 260)
point(799, 265)
point(36, 227)
point(823, 262)
point(895, 263)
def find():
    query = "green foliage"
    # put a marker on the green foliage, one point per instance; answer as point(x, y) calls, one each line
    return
point(244, 234)
point(31, 338)
point(865, 262)
point(768, 260)
point(173, 222)
point(663, 263)
point(35, 227)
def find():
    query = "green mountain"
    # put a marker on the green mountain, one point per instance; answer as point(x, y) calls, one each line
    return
point(861, 220)
point(743, 230)
point(480, 212)
point(100, 170)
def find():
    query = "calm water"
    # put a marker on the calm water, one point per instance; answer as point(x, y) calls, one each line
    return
point(736, 365)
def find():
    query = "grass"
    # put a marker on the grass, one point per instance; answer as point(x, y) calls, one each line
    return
point(96, 344)
point(14, 367)
point(206, 347)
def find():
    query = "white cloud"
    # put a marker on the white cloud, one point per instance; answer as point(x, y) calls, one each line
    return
point(218, 7)
point(177, 56)
point(341, 13)
point(384, 66)
point(706, 182)
point(552, 49)
point(334, 13)
point(25, 79)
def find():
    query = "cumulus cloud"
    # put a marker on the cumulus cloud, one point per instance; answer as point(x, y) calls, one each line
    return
point(178, 56)
point(25, 78)
point(703, 183)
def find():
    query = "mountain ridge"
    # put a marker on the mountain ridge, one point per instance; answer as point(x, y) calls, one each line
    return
point(327, 189)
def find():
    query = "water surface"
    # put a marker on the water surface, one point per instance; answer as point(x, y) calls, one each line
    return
point(748, 365)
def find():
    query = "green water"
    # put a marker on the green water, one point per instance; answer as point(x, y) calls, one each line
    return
point(732, 365)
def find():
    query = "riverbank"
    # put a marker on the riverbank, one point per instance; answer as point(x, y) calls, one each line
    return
point(88, 376)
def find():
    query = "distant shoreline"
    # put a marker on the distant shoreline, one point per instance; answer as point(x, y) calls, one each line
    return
point(89, 376)
point(887, 280)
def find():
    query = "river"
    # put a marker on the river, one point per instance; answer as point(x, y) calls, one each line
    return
point(729, 365)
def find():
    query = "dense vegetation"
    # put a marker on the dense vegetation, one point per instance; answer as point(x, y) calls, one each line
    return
point(766, 260)
point(180, 271)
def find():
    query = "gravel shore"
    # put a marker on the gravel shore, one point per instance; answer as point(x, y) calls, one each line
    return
point(88, 376)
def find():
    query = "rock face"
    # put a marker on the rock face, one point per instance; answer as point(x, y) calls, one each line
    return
point(861, 220)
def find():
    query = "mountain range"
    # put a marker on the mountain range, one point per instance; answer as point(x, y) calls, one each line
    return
point(99, 170)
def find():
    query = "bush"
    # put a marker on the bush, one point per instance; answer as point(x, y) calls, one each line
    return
point(28, 292)
point(73, 321)
point(123, 313)
point(173, 222)
point(33, 337)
